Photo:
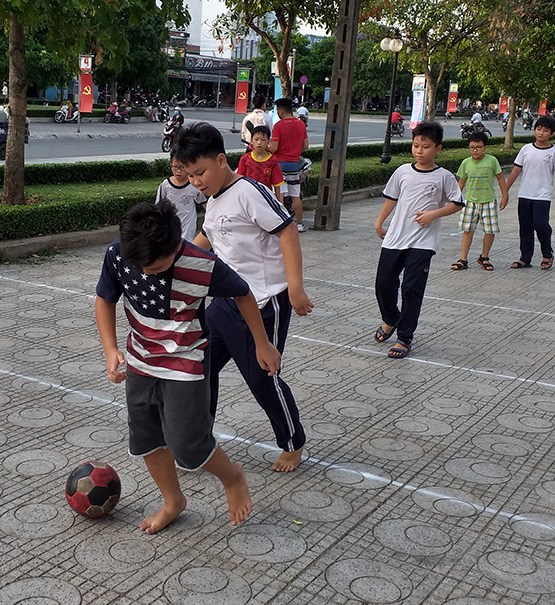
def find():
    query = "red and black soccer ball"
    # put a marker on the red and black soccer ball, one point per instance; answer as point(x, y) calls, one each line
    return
point(93, 489)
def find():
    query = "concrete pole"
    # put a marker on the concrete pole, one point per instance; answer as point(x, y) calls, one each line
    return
point(332, 173)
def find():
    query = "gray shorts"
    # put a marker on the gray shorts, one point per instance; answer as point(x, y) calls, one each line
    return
point(172, 414)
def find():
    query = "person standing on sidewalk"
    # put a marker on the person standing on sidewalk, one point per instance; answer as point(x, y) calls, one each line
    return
point(289, 140)
point(257, 117)
point(420, 194)
point(536, 162)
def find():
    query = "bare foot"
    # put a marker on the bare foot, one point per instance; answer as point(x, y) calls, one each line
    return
point(238, 497)
point(288, 461)
point(156, 522)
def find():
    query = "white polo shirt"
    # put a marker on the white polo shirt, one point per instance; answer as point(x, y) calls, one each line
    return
point(538, 168)
point(416, 191)
point(241, 223)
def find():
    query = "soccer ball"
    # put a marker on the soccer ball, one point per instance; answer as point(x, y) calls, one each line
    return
point(93, 489)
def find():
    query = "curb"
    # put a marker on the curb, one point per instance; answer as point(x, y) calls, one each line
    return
point(13, 249)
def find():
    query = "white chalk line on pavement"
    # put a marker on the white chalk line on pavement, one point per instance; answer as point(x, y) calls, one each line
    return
point(427, 491)
point(355, 349)
point(440, 298)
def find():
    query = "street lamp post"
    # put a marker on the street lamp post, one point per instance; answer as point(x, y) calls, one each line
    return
point(393, 45)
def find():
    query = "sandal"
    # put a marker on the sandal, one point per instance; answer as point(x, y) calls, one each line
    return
point(399, 350)
point(483, 261)
point(546, 263)
point(520, 264)
point(381, 335)
point(459, 265)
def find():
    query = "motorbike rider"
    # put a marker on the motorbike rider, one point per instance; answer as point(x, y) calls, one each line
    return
point(302, 113)
point(396, 117)
point(476, 121)
point(114, 110)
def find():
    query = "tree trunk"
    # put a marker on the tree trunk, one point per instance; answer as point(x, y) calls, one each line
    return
point(431, 98)
point(510, 133)
point(284, 75)
point(14, 177)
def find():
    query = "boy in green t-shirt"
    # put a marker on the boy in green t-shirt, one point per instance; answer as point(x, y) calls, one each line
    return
point(477, 173)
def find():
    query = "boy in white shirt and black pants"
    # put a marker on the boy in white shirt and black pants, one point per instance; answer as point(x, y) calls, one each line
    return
point(536, 161)
point(248, 228)
point(419, 193)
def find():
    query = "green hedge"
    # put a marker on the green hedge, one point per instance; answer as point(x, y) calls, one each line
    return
point(18, 222)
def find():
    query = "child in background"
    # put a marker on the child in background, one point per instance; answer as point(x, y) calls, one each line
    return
point(419, 193)
point(478, 173)
point(177, 190)
point(259, 164)
point(536, 161)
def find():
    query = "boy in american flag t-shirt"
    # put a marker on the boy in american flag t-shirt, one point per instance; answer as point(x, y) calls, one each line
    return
point(164, 281)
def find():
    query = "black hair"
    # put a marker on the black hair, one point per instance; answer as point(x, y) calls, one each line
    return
point(546, 122)
point(258, 101)
point(285, 103)
point(478, 137)
point(430, 130)
point(149, 232)
point(261, 130)
point(198, 140)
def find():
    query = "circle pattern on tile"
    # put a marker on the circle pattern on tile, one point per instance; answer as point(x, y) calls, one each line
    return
point(412, 537)
point(546, 491)
point(35, 418)
point(471, 601)
point(243, 410)
point(423, 426)
point(196, 514)
point(324, 430)
point(447, 501)
point(358, 476)
point(523, 422)
point(94, 436)
point(318, 377)
point(393, 449)
point(450, 406)
point(477, 471)
point(34, 354)
point(31, 463)
point(539, 527)
point(224, 432)
point(3, 438)
point(108, 554)
point(517, 571)
point(479, 389)
point(38, 385)
point(206, 586)
point(43, 590)
point(42, 520)
point(267, 543)
point(544, 404)
point(368, 581)
point(314, 505)
point(503, 444)
point(379, 390)
point(394, 375)
point(350, 408)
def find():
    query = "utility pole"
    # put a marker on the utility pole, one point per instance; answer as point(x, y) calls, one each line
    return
point(332, 173)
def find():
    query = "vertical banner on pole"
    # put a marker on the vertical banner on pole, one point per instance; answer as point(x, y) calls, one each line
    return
point(503, 105)
point(542, 109)
point(277, 95)
point(453, 96)
point(242, 90)
point(418, 100)
point(85, 84)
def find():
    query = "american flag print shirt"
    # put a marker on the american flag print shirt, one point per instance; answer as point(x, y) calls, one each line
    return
point(165, 311)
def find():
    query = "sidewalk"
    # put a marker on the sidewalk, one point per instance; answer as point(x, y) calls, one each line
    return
point(426, 481)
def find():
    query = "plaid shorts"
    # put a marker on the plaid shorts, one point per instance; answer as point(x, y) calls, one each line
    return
point(485, 214)
point(292, 178)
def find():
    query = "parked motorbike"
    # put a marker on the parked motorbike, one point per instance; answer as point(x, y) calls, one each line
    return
point(398, 128)
point(467, 129)
point(63, 115)
point(118, 116)
point(504, 123)
point(304, 118)
point(527, 122)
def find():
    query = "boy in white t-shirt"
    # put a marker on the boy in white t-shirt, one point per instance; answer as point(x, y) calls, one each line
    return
point(419, 193)
point(536, 162)
point(252, 232)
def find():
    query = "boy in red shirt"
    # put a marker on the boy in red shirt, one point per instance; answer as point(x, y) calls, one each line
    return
point(289, 140)
point(259, 164)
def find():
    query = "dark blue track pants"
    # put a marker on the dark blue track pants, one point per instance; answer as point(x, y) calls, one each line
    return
point(533, 215)
point(415, 263)
point(230, 338)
